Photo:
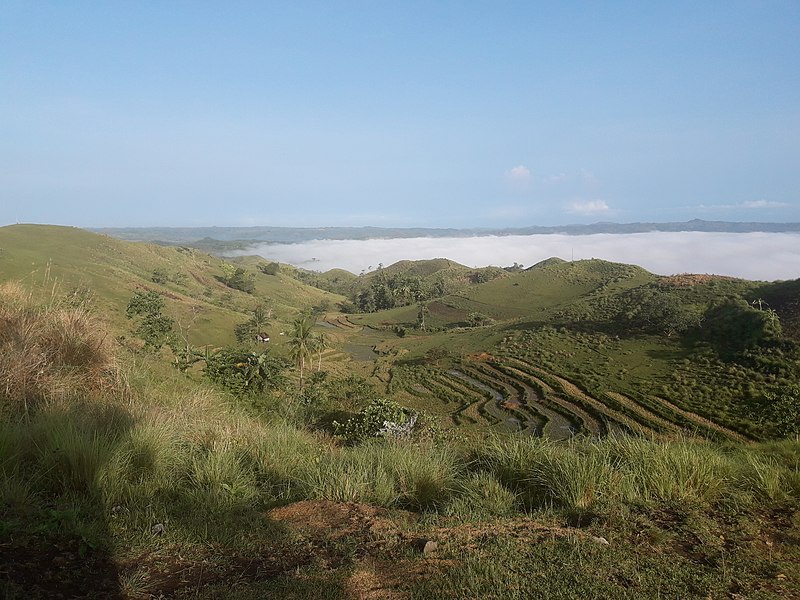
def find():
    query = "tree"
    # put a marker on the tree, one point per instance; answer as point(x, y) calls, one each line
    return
point(238, 278)
point(320, 343)
point(272, 268)
point(660, 311)
point(365, 301)
point(301, 343)
point(476, 319)
point(423, 310)
point(153, 327)
point(257, 322)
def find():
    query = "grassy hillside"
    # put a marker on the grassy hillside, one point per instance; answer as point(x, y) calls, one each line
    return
point(599, 432)
point(64, 260)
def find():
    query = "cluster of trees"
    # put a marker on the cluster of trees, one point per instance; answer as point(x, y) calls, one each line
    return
point(657, 310)
point(388, 291)
point(162, 276)
point(258, 321)
point(238, 278)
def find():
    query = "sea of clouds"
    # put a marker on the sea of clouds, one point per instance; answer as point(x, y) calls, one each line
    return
point(756, 256)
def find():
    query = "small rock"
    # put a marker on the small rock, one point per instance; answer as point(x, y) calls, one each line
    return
point(425, 546)
point(601, 540)
point(158, 529)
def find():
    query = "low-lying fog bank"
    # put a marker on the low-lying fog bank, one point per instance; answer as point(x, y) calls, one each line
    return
point(757, 256)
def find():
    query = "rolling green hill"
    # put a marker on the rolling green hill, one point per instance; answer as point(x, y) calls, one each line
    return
point(52, 259)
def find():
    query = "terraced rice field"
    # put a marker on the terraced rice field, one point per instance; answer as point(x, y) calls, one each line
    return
point(512, 394)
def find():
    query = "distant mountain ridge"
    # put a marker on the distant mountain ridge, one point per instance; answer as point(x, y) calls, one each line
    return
point(286, 235)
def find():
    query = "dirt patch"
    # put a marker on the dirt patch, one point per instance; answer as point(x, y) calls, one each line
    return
point(367, 584)
point(481, 356)
point(328, 520)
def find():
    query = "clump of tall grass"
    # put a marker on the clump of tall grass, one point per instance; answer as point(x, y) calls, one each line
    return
point(425, 474)
point(352, 475)
point(218, 479)
point(587, 473)
point(50, 351)
point(419, 477)
point(481, 494)
point(575, 476)
point(682, 470)
point(279, 455)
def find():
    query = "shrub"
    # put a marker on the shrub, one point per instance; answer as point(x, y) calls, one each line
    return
point(243, 373)
point(153, 327)
point(272, 268)
point(380, 418)
point(239, 279)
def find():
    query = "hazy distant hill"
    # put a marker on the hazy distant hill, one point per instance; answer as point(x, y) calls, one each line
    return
point(208, 237)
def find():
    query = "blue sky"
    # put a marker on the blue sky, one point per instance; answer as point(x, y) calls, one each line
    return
point(398, 113)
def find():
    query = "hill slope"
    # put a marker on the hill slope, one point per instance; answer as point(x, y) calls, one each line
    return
point(74, 261)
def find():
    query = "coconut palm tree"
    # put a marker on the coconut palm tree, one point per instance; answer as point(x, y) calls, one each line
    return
point(320, 344)
point(301, 343)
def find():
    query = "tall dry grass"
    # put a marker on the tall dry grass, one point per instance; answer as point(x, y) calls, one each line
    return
point(51, 351)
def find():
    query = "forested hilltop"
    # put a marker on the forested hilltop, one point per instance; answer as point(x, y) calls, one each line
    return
point(176, 424)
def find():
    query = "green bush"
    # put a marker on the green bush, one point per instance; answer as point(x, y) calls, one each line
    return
point(155, 329)
point(245, 373)
point(380, 418)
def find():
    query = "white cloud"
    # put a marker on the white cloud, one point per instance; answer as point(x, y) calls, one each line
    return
point(589, 207)
point(758, 256)
point(519, 173)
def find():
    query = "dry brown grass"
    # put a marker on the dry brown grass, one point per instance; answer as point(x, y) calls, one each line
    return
point(51, 352)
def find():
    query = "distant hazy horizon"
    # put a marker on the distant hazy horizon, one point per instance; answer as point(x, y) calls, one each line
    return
point(755, 256)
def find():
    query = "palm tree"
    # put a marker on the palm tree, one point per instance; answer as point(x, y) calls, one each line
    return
point(320, 344)
point(301, 343)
